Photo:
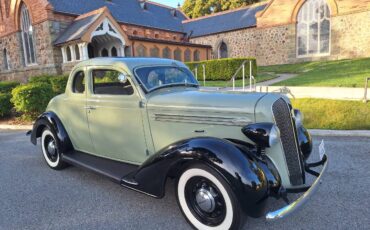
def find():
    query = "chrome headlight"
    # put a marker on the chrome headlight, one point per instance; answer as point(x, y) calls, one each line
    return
point(263, 134)
point(298, 117)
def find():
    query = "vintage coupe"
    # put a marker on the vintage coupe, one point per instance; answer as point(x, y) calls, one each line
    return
point(139, 121)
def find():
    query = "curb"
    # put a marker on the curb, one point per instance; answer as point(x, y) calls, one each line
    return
point(15, 127)
point(339, 133)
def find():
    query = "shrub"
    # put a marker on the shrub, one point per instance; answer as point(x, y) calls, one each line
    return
point(41, 79)
point(32, 99)
point(59, 83)
point(223, 69)
point(5, 105)
point(7, 86)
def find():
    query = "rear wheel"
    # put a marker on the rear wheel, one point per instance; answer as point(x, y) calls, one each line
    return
point(206, 199)
point(50, 149)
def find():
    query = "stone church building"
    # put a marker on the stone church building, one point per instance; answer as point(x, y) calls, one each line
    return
point(50, 36)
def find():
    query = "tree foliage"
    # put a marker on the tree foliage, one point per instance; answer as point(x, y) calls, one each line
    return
point(198, 8)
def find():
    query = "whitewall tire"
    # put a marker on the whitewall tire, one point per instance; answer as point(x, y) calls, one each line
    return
point(50, 149)
point(206, 199)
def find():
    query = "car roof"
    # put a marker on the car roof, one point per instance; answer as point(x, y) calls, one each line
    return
point(128, 63)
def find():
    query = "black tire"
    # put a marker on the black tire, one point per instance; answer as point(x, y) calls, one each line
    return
point(207, 200)
point(50, 146)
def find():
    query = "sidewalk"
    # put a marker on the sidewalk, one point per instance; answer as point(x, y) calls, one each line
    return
point(334, 93)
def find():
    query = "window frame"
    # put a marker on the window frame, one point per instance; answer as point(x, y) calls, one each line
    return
point(307, 30)
point(6, 61)
point(108, 68)
point(25, 20)
point(73, 82)
point(220, 51)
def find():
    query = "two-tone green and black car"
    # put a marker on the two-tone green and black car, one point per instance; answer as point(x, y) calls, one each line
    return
point(140, 121)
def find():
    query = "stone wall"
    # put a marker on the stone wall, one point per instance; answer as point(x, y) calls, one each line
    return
point(350, 38)
point(48, 58)
point(270, 46)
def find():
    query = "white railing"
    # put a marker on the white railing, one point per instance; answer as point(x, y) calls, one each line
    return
point(252, 80)
point(195, 71)
point(366, 88)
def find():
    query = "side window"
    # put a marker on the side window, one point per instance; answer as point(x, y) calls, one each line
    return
point(111, 82)
point(78, 85)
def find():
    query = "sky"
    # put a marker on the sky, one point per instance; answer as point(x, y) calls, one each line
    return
point(172, 3)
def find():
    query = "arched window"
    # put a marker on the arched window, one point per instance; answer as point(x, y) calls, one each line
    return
point(177, 54)
point(69, 53)
point(154, 52)
point(196, 55)
point(222, 50)
point(77, 50)
point(6, 60)
point(187, 55)
point(90, 50)
point(166, 53)
point(313, 29)
point(27, 36)
point(141, 51)
point(104, 52)
point(128, 51)
point(114, 52)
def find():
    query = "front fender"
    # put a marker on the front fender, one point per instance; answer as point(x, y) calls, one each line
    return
point(244, 174)
point(52, 121)
point(305, 141)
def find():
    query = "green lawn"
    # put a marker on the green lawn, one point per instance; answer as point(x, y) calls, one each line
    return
point(239, 83)
point(334, 114)
point(344, 73)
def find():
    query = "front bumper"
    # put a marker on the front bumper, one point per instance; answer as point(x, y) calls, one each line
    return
point(294, 206)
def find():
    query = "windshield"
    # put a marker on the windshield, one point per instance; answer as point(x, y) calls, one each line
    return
point(156, 77)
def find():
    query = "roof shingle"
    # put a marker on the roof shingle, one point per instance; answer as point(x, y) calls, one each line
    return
point(76, 30)
point(126, 11)
point(225, 21)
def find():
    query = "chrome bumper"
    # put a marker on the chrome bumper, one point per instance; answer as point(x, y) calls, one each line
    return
point(285, 211)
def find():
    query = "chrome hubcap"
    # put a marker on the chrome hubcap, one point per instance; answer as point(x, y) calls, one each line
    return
point(205, 200)
point(51, 148)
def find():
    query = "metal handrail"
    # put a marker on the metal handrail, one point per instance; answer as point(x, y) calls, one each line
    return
point(252, 79)
point(366, 87)
point(195, 71)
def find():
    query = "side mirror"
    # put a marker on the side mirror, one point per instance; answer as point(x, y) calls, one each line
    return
point(122, 78)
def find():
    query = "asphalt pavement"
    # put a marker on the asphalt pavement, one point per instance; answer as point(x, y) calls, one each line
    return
point(32, 196)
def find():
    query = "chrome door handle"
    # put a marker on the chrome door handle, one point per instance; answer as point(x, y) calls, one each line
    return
point(90, 107)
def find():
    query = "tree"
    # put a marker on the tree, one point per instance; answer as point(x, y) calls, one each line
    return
point(198, 8)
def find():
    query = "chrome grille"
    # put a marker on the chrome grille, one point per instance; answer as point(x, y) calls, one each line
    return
point(283, 119)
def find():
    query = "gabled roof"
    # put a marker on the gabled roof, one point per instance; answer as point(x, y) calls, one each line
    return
point(126, 11)
point(222, 22)
point(76, 30)
point(83, 27)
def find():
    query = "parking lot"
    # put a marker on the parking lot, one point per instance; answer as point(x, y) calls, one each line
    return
point(32, 196)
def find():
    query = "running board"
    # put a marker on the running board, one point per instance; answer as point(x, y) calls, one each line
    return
point(114, 170)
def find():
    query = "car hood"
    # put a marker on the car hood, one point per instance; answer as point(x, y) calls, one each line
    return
point(203, 102)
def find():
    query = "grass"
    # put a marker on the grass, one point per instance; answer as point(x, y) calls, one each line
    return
point(239, 83)
point(343, 73)
point(334, 114)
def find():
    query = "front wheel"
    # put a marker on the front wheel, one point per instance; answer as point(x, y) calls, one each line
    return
point(50, 150)
point(207, 200)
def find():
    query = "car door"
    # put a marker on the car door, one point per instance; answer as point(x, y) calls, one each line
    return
point(73, 113)
point(114, 116)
